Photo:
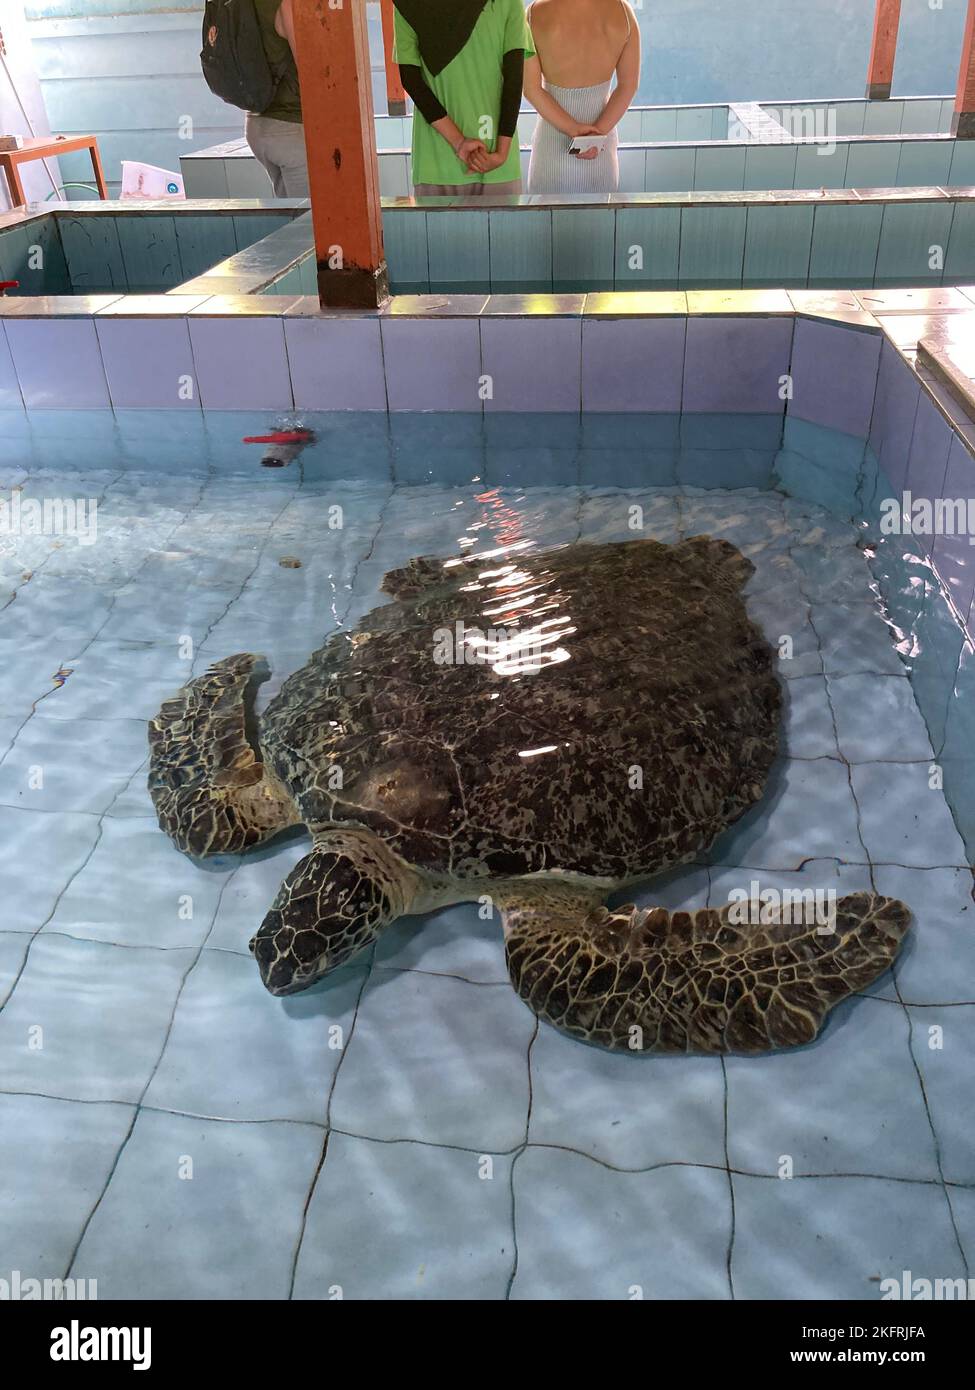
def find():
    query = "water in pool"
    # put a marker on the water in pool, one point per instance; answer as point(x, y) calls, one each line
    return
point(407, 1128)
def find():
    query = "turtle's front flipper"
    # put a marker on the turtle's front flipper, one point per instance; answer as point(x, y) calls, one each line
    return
point(333, 903)
point(692, 982)
point(212, 793)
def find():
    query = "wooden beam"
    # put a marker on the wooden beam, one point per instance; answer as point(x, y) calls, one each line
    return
point(332, 46)
point(883, 50)
point(395, 95)
point(963, 120)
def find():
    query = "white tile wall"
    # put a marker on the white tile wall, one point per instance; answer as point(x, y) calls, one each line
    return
point(241, 364)
point(58, 363)
point(336, 364)
point(148, 363)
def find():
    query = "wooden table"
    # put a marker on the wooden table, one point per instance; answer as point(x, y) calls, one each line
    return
point(49, 147)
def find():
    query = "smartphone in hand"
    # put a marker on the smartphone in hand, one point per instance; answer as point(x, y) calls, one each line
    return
point(579, 144)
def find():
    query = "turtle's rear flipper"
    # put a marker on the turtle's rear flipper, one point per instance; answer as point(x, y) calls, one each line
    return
point(211, 791)
point(663, 981)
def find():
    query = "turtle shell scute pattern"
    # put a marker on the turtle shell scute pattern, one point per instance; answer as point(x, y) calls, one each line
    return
point(604, 709)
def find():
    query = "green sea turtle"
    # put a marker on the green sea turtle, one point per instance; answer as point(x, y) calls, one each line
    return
point(532, 729)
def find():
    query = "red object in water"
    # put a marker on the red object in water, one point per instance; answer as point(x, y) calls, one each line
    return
point(281, 437)
point(9, 285)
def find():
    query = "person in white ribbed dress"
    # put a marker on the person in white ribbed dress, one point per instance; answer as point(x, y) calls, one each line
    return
point(581, 45)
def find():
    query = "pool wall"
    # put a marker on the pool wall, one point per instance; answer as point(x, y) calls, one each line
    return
point(857, 238)
point(710, 148)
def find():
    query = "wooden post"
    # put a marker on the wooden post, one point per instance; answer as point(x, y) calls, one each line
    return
point(963, 121)
point(883, 49)
point(395, 95)
point(336, 108)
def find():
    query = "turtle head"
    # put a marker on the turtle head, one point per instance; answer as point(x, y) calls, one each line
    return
point(334, 903)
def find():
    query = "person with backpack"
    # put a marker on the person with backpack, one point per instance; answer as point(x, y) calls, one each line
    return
point(462, 63)
point(275, 134)
point(248, 60)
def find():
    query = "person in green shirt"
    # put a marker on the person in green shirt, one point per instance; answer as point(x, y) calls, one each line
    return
point(462, 63)
point(276, 135)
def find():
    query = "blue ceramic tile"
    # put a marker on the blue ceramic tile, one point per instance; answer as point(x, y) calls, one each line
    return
point(712, 246)
point(821, 166)
point(734, 365)
point(432, 364)
point(408, 1022)
point(847, 116)
point(93, 253)
point(895, 408)
point(953, 551)
point(202, 242)
point(455, 1244)
point(809, 731)
point(960, 257)
point(667, 1235)
point(693, 123)
point(336, 364)
point(843, 1235)
point(10, 395)
point(719, 168)
point(770, 166)
point(834, 375)
point(271, 1061)
point(177, 896)
point(241, 363)
point(611, 1111)
point(633, 170)
point(583, 249)
point(928, 458)
point(937, 963)
point(150, 253)
point(632, 364)
point(855, 639)
point(532, 363)
point(250, 228)
point(458, 248)
point(962, 174)
point(148, 363)
point(902, 819)
point(778, 242)
point(808, 813)
point(796, 1103)
point(521, 249)
point(924, 163)
point(921, 117)
point(647, 247)
point(58, 363)
point(659, 124)
point(670, 171)
point(178, 1192)
point(873, 164)
point(877, 718)
point(846, 239)
point(104, 1011)
point(908, 241)
point(883, 117)
point(57, 1157)
point(46, 773)
point(943, 1039)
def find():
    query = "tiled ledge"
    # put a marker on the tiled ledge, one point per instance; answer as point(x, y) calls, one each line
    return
point(697, 352)
point(951, 361)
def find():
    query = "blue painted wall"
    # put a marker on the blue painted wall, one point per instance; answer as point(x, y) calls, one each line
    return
point(129, 69)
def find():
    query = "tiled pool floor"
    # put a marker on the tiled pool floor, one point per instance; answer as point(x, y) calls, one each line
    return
point(406, 1129)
